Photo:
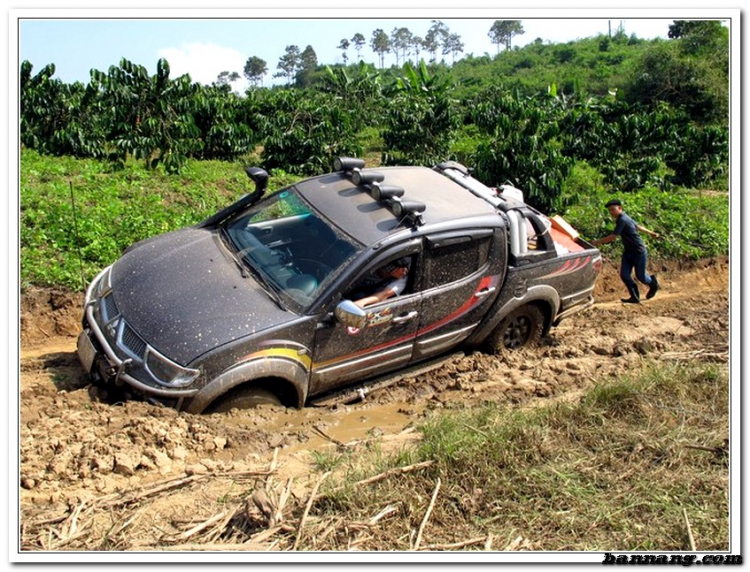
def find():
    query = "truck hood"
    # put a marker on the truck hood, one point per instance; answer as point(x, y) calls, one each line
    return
point(184, 295)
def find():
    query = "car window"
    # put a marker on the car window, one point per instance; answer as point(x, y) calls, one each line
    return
point(286, 204)
point(451, 262)
point(386, 281)
point(293, 248)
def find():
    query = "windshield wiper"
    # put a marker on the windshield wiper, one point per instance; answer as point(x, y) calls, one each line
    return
point(240, 260)
point(234, 253)
point(263, 281)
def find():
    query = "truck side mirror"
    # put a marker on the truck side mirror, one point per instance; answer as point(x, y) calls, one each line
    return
point(351, 315)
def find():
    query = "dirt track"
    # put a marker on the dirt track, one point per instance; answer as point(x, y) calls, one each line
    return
point(76, 445)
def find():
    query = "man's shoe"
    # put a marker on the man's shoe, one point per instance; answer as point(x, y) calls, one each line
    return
point(635, 296)
point(653, 287)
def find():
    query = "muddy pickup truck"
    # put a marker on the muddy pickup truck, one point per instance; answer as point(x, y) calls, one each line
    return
point(263, 302)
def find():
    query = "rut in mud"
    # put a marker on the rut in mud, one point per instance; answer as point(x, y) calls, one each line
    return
point(78, 443)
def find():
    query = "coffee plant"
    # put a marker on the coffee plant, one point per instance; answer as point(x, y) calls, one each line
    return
point(654, 115)
point(521, 146)
point(421, 118)
point(303, 132)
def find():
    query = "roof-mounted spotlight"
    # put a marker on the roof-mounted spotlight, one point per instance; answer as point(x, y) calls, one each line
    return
point(382, 192)
point(368, 178)
point(410, 209)
point(348, 164)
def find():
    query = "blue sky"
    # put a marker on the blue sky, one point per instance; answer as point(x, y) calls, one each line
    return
point(205, 43)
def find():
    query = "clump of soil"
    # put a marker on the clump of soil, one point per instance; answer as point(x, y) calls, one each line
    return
point(49, 312)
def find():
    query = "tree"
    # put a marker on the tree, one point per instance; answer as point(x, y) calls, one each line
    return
point(359, 42)
point(421, 118)
point(503, 31)
point(359, 90)
point(308, 62)
point(520, 145)
point(306, 130)
point(683, 28)
point(150, 118)
point(226, 78)
point(343, 46)
point(255, 69)
point(401, 39)
point(417, 44)
point(514, 29)
point(380, 44)
point(667, 73)
point(453, 45)
point(58, 118)
point(288, 63)
point(435, 37)
point(698, 37)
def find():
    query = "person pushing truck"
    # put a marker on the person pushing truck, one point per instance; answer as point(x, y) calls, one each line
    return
point(634, 255)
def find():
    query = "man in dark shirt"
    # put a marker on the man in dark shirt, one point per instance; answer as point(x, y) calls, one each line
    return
point(634, 255)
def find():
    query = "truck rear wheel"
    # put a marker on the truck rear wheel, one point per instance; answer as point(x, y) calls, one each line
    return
point(245, 398)
point(521, 328)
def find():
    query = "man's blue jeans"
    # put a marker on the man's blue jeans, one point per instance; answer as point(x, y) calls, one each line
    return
point(635, 261)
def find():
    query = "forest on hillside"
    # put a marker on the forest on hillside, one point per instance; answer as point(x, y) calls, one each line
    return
point(632, 113)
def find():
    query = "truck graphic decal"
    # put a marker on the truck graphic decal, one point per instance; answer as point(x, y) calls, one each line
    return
point(486, 283)
point(569, 266)
point(475, 299)
point(282, 349)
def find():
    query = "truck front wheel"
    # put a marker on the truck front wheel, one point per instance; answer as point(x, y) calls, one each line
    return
point(245, 398)
point(521, 328)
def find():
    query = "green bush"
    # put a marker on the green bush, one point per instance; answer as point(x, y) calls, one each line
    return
point(303, 132)
point(421, 118)
point(692, 224)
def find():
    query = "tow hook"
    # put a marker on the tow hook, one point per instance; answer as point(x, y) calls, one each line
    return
point(117, 371)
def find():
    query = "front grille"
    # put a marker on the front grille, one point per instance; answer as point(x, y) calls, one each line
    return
point(133, 343)
point(110, 308)
point(117, 331)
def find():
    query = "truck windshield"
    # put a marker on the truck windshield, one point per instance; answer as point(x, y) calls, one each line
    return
point(294, 249)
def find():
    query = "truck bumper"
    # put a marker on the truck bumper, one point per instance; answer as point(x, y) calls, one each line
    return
point(573, 310)
point(101, 363)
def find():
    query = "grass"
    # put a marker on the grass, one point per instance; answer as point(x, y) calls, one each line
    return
point(113, 209)
point(324, 461)
point(612, 472)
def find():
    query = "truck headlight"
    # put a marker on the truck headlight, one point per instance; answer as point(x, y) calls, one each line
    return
point(104, 284)
point(98, 287)
point(167, 372)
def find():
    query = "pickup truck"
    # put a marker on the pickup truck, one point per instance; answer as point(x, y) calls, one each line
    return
point(257, 303)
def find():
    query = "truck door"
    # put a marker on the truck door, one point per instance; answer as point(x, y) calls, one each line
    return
point(344, 355)
point(458, 283)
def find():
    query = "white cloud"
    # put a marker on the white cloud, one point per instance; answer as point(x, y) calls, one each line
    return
point(204, 62)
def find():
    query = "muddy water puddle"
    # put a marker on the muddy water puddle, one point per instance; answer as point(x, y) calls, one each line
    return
point(342, 425)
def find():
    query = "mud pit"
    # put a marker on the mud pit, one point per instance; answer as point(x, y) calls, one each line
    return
point(79, 445)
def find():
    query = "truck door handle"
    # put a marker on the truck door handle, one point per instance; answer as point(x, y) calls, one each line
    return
point(405, 318)
point(484, 292)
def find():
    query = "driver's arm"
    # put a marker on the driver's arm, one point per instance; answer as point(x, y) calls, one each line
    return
point(384, 294)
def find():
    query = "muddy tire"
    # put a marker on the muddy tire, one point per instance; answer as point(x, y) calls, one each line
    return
point(521, 328)
point(245, 398)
